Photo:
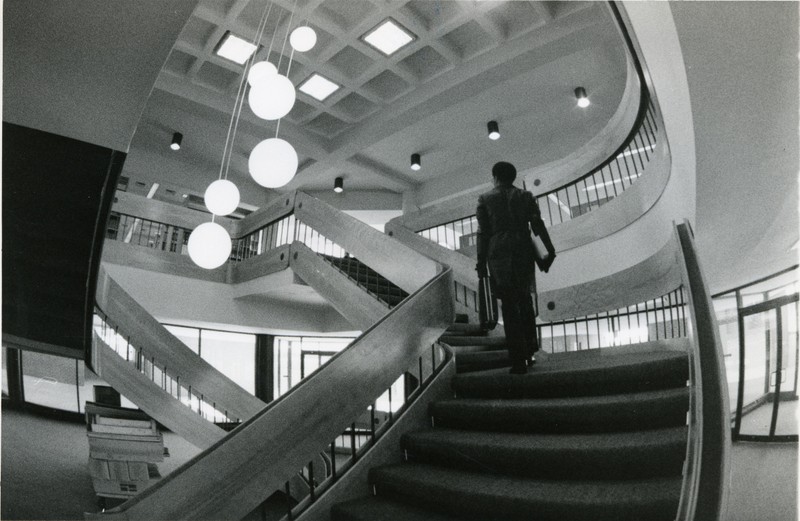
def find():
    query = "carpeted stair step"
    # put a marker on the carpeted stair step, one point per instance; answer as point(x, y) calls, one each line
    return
point(485, 342)
point(580, 376)
point(383, 509)
point(627, 455)
point(470, 361)
point(612, 413)
point(459, 329)
point(487, 496)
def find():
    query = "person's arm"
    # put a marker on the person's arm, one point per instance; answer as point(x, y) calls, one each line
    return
point(484, 234)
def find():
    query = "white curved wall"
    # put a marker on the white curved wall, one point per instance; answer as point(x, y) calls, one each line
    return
point(660, 52)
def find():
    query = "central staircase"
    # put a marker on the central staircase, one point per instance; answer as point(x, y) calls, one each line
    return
point(591, 435)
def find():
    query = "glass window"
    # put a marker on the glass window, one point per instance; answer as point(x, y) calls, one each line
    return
point(232, 354)
point(298, 357)
point(785, 284)
point(759, 381)
point(51, 380)
point(4, 376)
point(728, 322)
point(787, 420)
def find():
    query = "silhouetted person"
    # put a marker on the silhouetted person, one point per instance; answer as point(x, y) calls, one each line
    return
point(506, 216)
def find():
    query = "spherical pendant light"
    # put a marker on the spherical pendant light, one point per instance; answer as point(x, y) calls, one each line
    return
point(209, 245)
point(272, 98)
point(259, 72)
point(273, 163)
point(222, 197)
point(303, 39)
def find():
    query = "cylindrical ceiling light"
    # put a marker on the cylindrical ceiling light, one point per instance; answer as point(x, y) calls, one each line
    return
point(583, 101)
point(177, 137)
point(416, 162)
point(494, 130)
point(338, 185)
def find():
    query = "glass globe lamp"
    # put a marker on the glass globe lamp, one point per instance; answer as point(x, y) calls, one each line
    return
point(259, 73)
point(209, 245)
point(272, 98)
point(273, 163)
point(221, 197)
point(303, 39)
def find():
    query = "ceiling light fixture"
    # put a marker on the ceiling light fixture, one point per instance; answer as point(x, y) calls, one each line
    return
point(235, 49)
point(494, 131)
point(177, 137)
point(303, 39)
point(338, 185)
point(318, 87)
point(388, 37)
point(583, 101)
point(416, 162)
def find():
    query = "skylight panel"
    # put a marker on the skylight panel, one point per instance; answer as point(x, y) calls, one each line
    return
point(318, 87)
point(388, 37)
point(235, 49)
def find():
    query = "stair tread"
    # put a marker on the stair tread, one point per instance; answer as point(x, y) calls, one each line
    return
point(548, 404)
point(578, 375)
point(458, 328)
point(579, 443)
point(493, 496)
point(606, 413)
point(384, 509)
point(553, 456)
point(462, 340)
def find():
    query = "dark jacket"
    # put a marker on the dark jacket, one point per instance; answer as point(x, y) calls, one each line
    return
point(504, 237)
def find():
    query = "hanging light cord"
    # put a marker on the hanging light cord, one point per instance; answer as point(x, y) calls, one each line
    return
point(291, 55)
point(227, 153)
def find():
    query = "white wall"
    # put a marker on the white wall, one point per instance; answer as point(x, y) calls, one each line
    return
point(199, 303)
point(84, 69)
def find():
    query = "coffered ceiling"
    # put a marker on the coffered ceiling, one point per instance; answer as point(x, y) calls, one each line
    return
point(516, 62)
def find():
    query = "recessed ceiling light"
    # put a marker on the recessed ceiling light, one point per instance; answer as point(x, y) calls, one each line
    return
point(388, 37)
point(318, 87)
point(583, 100)
point(177, 138)
point(233, 48)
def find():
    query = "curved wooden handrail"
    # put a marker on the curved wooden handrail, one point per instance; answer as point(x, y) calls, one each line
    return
point(144, 331)
point(706, 476)
point(397, 262)
point(232, 477)
point(150, 398)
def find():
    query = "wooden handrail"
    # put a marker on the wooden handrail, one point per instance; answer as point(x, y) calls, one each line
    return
point(356, 305)
point(157, 403)
point(234, 476)
point(397, 262)
point(706, 476)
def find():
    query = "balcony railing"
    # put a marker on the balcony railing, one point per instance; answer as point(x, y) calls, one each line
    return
point(660, 318)
point(144, 232)
point(587, 193)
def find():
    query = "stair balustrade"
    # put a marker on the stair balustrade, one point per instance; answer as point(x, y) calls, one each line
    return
point(361, 435)
point(166, 378)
